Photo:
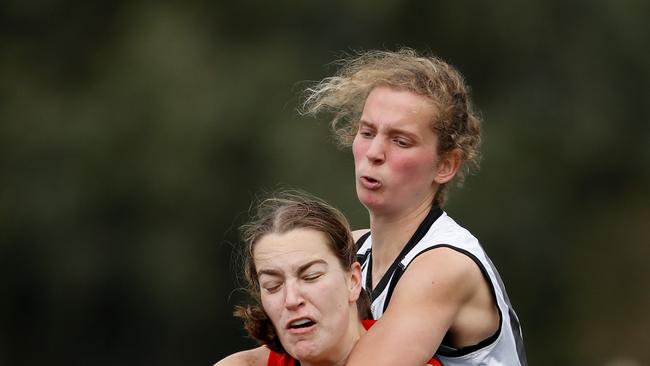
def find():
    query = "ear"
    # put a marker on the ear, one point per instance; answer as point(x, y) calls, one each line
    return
point(355, 281)
point(447, 166)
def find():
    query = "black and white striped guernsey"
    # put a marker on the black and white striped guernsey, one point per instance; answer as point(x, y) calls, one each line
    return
point(505, 347)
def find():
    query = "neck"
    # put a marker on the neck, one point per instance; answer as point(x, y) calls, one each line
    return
point(391, 232)
point(347, 342)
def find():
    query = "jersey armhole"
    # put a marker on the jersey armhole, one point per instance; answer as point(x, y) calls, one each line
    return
point(449, 351)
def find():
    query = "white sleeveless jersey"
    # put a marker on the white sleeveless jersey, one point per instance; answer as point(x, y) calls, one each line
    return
point(505, 347)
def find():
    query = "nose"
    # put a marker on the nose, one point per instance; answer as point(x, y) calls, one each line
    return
point(293, 298)
point(376, 152)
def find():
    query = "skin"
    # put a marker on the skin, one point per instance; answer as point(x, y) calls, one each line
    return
point(252, 357)
point(398, 172)
point(301, 278)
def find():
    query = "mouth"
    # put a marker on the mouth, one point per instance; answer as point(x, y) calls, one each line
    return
point(300, 325)
point(369, 182)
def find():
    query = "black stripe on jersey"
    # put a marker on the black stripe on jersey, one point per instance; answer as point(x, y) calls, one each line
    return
point(424, 227)
point(399, 271)
point(368, 284)
point(362, 257)
point(449, 351)
point(362, 239)
point(514, 321)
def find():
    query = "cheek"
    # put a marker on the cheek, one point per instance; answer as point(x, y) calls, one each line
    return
point(333, 294)
point(409, 165)
point(271, 306)
point(359, 147)
point(416, 166)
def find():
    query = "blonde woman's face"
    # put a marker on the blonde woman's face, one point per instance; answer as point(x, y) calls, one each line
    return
point(309, 297)
point(395, 152)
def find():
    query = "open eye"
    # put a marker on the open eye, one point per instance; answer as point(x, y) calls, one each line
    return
point(402, 142)
point(365, 132)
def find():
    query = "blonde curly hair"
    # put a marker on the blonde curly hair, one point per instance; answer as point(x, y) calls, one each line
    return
point(343, 96)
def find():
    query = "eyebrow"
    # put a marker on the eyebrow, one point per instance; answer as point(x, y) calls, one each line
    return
point(302, 268)
point(391, 130)
point(365, 123)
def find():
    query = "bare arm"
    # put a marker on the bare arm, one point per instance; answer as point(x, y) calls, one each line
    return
point(252, 357)
point(431, 294)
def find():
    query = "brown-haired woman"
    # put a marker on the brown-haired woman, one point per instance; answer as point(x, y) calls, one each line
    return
point(306, 284)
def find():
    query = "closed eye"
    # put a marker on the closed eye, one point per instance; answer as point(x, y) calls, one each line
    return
point(271, 287)
point(312, 276)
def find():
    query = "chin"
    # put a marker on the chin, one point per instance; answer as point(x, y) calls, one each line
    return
point(366, 197)
point(370, 201)
point(306, 353)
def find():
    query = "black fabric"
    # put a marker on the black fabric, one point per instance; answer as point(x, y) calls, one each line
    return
point(432, 216)
point(362, 257)
point(447, 350)
point(514, 321)
point(396, 270)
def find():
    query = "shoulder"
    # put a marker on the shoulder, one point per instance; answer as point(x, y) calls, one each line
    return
point(442, 279)
point(356, 234)
point(455, 286)
point(423, 307)
point(252, 357)
point(444, 268)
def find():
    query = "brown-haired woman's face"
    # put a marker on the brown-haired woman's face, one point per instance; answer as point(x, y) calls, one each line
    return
point(306, 293)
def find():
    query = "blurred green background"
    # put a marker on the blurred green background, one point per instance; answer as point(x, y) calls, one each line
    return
point(134, 134)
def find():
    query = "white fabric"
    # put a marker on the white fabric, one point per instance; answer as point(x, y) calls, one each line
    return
point(444, 231)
